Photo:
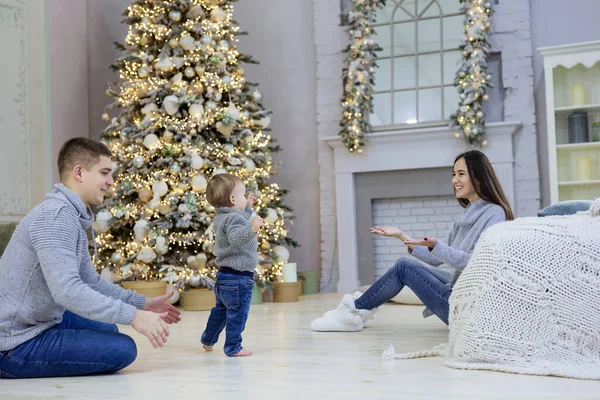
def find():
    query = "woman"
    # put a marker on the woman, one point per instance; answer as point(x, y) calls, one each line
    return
point(478, 190)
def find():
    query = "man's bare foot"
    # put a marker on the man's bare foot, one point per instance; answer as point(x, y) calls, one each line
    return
point(207, 348)
point(243, 353)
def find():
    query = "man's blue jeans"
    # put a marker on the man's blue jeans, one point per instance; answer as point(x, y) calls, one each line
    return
point(76, 346)
point(433, 290)
point(234, 295)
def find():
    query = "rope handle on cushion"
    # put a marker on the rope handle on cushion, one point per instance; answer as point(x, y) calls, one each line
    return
point(440, 350)
point(595, 208)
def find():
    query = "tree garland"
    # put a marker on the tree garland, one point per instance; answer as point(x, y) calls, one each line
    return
point(473, 78)
point(358, 74)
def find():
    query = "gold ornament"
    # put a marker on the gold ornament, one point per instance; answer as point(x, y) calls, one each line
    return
point(143, 40)
point(457, 135)
point(173, 43)
point(105, 116)
point(142, 72)
point(485, 97)
point(484, 143)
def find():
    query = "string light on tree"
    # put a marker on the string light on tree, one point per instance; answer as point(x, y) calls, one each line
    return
point(358, 73)
point(186, 113)
point(473, 78)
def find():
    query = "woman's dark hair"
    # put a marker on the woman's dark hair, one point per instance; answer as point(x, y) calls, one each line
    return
point(484, 180)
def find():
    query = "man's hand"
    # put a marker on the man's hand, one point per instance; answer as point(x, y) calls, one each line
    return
point(161, 305)
point(257, 222)
point(251, 200)
point(152, 326)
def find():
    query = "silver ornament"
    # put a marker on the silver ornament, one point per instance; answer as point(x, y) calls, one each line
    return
point(189, 72)
point(138, 161)
point(211, 105)
point(224, 44)
point(176, 168)
point(256, 95)
point(227, 79)
point(206, 39)
point(142, 72)
point(175, 15)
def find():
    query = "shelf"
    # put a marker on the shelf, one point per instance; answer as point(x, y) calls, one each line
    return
point(579, 146)
point(586, 107)
point(579, 183)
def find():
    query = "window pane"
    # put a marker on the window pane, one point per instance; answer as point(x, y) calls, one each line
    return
point(383, 76)
point(429, 35)
point(449, 6)
point(384, 15)
point(450, 101)
point(430, 72)
point(382, 113)
point(451, 61)
point(406, 10)
point(382, 38)
point(404, 38)
point(405, 109)
point(453, 31)
point(430, 105)
point(404, 73)
point(433, 10)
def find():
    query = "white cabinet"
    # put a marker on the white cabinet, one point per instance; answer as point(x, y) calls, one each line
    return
point(572, 81)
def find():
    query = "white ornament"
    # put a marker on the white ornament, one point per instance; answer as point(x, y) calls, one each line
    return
point(249, 165)
point(149, 108)
point(178, 61)
point(138, 161)
point(160, 188)
point(176, 294)
point(271, 216)
point(109, 275)
point(265, 122)
point(140, 230)
point(219, 171)
point(164, 64)
point(189, 72)
point(175, 15)
point(198, 261)
point(102, 221)
point(171, 104)
point(196, 111)
point(199, 183)
point(116, 257)
point(161, 245)
point(194, 281)
point(233, 111)
point(197, 161)
point(218, 15)
point(146, 255)
point(154, 203)
point(224, 129)
point(151, 141)
point(187, 43)
point(282, 253)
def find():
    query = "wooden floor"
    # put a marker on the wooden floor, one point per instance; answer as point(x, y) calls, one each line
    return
point(293, 362)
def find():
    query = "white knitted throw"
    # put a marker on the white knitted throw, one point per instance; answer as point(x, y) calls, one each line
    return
point(529, 300)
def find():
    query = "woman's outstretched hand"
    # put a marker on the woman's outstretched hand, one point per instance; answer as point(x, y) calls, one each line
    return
point(387, 231)
point(427, 242)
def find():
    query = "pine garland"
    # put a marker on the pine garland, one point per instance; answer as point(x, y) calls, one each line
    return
point(473, 78)
point(358, 74)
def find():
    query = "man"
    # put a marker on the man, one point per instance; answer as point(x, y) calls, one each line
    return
point(57, 315)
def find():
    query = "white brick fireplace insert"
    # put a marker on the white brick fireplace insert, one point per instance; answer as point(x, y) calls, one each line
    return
point(406, 149)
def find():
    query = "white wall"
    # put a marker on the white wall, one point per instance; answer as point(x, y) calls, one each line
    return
point(67, 29)
point(553, 23)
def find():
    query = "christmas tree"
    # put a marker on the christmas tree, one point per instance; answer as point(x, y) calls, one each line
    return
point(185, 113)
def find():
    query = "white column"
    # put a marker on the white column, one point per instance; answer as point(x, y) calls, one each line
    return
point(346, 231)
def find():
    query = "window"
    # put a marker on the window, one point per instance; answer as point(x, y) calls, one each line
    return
point(414, 81)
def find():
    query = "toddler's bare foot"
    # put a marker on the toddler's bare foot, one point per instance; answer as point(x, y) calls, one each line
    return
point(243, 353)
point(207, 348)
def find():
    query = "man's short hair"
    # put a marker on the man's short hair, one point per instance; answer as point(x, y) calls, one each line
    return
point(80, 151)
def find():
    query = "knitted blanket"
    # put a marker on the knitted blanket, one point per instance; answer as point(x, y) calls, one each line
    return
point(529, 300)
